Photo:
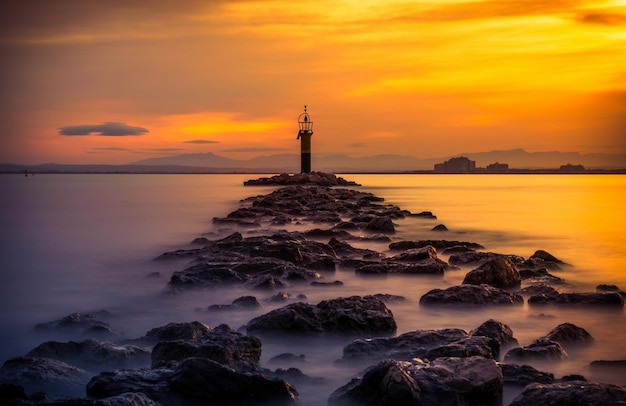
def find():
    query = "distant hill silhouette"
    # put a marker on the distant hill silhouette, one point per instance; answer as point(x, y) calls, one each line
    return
point(335, 163)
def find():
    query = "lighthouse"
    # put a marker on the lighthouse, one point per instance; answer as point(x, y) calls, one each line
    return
point(304, 135)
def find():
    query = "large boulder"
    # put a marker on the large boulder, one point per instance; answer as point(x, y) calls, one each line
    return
point(568, 334)
point(421, 344)
point(570, 393)
point(350, 315)
point(175, 331)
point(54, 377)
point(451, 381)
point(92, 354)
point(470, 295)
point(498, 271)
point(539, 350)
point(522, 375)
point(498, 331)
point(194, 381)
point(222, 345)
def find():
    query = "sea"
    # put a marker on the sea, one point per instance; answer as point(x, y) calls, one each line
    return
point(88, 242)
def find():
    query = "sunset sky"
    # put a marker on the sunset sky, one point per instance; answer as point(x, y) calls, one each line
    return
point(116, 81)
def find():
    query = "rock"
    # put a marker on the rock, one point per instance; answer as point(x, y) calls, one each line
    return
point(54, 377)
point(241, 303)
point(618, 366)
point(421, 344)
point(596, 299)
point(424, 214)
point(423, 267)
point(78, 324)
point(194, 381)
point(438, 244)
point(222, 344)
point(175, 331)
point(12, 394)
point(90, 354)
point(440, 227)
point(351, 315)
point(568, 334)
point(316, 178)
point(523, 375)
point(415, 254)
point(498, 272)
point(498, 331)
point(381, 225)
point(570, 393)
point(539, 276)
point(445, 381)
point(539, 350)
point(470, 295)
point(538, 289)
point(542, 259)
point(287, 358)
point(610, 289)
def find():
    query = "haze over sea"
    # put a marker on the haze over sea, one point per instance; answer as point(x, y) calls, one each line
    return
point(82, 243)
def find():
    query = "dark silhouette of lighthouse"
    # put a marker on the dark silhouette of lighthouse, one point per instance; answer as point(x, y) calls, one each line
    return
point(304, 135)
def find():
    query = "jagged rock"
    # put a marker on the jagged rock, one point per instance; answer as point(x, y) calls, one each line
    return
point(599, 299)
point(469, 381)
point(194, 380)
point(438, 244)
point(89, 354)
point(349, 315)
point(421, 344)
point(79, 324)
point(523, 375)
point(241, 303)
point(222, 344)
point(470, 295)
point(539, 350)
point(498, 272)
point(498, 331)
point(568, 334)
point(175, 331)
point(54, 377)
point(570, 393)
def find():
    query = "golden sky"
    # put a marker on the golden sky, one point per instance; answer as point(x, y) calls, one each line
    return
point(116, 81)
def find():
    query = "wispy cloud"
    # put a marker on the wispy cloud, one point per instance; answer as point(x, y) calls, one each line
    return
point(110, 149)
point(201, 142)
point(111, 128)
point(601, 18)
point(256, 149)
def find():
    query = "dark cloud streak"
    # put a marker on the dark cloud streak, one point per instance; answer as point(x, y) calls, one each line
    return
point(201, 142)
point(111, 129)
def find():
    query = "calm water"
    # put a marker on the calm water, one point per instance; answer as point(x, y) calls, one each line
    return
point(81, 243)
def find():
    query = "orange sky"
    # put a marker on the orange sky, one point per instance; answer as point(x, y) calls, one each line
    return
point(424, 78)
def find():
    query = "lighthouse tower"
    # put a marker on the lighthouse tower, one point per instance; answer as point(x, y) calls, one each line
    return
point(304, 135)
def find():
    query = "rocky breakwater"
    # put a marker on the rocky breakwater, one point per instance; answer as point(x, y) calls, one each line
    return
point(191, 363)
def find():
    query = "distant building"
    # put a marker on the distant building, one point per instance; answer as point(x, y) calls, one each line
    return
point(497, 168)
point(456, 165)
point(569, 168)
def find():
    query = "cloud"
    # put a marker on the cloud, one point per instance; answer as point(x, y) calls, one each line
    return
point(110, 128)
point(201, 142)
point(601, 18)
point(257, 149)
point(111, 149)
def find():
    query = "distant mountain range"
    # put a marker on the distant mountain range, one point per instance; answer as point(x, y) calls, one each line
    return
point(212, 163)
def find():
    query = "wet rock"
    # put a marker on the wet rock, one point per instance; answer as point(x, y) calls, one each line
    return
point(415, 254)
point(538, 289)
point(315, 178)
point(498, 272)
point(89, 354)
point(539, 350)
point(54, 377)
point(570, 393)
point(539, 276)
point(596, 299)
point(470, 295)
point(568, 334)
point(80, 324)
point(222, 344)
point(194, 380)
point(422, 267)
point(542, 259)
point(175, 331)
point(241, 303)
point(523, 375)
point(389, 298)
point(438, 244)
point(350, 315)
point(381, 225)
point(498, 331)
point(421, 344)
point(445, 381)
